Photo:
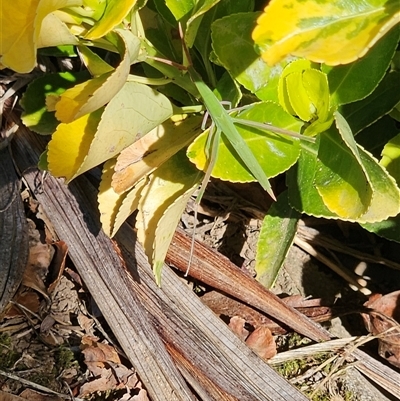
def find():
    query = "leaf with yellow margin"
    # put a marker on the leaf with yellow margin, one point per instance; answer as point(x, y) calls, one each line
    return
point(70, 144)
point(94, 93)
point(115, 208)
point(314, 184)
point(109, 201)
point(135, 110)
point(153, 149)
point(331, 32)
point(166, 229)
point(114, 12)
point(21, 23)
point(165, 185)
point(391, 158)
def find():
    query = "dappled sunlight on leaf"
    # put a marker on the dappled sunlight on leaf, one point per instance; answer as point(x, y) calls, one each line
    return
point(275, 153)
point(153, 149)
point(168, 183)
point(70, 144)
point(330, 32)
point(310, 178)
point(113, 14)
point(92, 94)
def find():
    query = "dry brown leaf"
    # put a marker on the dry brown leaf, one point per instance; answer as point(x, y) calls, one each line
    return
point(262, 342)
point(237, 323)
point(9, 397)
point(33, 395)
point(384, 320)
point(104, 363)
point(58, 264)
point(28, 299)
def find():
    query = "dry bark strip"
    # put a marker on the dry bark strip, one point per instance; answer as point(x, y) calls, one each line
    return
point(213, 360)
point(205, 349)
point(220, 273)
point(14, 247)
point(102, 271)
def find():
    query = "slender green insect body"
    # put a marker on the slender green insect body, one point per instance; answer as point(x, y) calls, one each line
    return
point(224, 123)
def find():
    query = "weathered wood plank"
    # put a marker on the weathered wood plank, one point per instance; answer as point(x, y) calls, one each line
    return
point(102, 270)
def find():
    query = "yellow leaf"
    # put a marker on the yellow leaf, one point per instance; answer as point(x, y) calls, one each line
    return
point(70, 144)
point(164, 186)
point(92, 94)
point(153, 149)
point(115, 208)
point(93, 62)
point(166, 229)
point(109, 201)
point(55, 33)
point(114, 13)
point(330, 32)
point(136, 109)
point(129, 204)
point(21, 22)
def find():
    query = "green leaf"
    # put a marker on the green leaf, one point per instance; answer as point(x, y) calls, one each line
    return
point(380, 102)
point(355, 81)
point(94, 93)
point(228, 90)
point(112, 15)
point(276, 237)
point(297, 66)
point(36, 115)
point(304, 196)
point(222, 9)
point(375, 136)
point(340, 179)
point(303, 91)
point(231, 36)
point(330, 32)
point(275, 153)
point(180, 8)
point(391, 158)
point(164, 187)
point(135, 109)
point(195, 19)
point(389, 229)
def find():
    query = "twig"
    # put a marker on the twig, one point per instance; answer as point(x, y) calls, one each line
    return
point(38, 386)
point(358, 282)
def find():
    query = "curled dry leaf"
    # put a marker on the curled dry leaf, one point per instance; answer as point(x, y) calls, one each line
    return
point(104, 363)
point(262, 342)
point(237, 323)
point(383, 320)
